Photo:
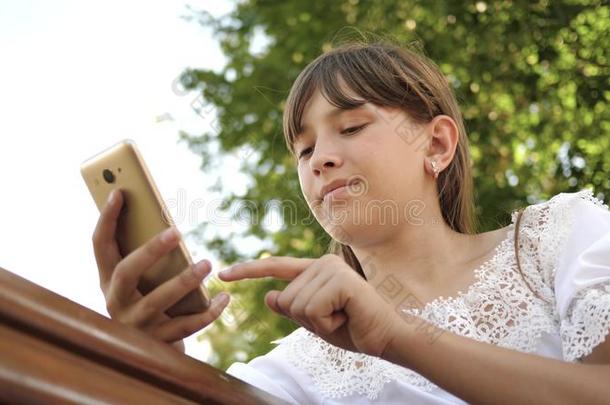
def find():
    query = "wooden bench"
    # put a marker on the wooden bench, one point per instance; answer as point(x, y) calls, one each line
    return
point(55, 350)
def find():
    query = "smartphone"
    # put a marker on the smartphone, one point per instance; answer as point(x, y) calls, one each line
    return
point(143, 215)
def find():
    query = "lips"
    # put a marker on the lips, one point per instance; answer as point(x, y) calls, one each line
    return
point(333, 185)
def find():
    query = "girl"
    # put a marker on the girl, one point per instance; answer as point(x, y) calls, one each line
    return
point(411, 306)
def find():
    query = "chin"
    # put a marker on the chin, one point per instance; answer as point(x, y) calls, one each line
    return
point(344, 229)
point(358, 226)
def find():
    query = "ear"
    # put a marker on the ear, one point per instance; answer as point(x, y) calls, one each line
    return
point(444, 136)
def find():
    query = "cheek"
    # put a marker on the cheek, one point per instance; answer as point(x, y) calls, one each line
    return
point(309, 192)
point(391, 165)
point(305, 182)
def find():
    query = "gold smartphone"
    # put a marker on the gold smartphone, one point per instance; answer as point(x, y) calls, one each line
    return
point(143, 216)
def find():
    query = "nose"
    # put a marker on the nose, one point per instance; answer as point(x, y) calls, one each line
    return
point(323, 158)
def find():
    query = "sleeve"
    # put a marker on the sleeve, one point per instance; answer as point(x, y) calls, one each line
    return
point(582, 277)
point(271, 373)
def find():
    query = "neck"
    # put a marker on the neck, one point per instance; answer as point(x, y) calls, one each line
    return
point(423, 256)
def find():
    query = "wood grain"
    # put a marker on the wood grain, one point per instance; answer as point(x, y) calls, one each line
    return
point(54, 349)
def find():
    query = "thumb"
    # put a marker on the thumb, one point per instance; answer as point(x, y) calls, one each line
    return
point(271, 301)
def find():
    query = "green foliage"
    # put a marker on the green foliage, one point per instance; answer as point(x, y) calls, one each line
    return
point(532, 78)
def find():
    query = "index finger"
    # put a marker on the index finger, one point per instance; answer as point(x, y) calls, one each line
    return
point(283, 268)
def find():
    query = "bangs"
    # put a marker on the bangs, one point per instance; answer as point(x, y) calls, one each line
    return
point(324, 77)
point(372, 73)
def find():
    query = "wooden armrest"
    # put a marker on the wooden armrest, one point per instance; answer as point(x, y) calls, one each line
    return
point(54, 349)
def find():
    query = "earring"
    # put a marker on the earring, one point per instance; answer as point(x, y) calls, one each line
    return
point(434, 168)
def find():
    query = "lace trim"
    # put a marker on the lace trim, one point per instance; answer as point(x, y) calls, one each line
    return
point(498, 308)
point(338, 373)
point(554, 231)
point(587, 323)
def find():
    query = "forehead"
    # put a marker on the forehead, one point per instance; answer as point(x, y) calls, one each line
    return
point(318, 108)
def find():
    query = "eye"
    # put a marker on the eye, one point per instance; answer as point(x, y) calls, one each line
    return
point(347, 131)
point(305, 152)
point(352, 130)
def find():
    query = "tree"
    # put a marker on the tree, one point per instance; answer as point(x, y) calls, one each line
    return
point(532, 78)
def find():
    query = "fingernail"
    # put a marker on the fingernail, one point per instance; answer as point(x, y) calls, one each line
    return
point(199, 269)
point(169, 235)
point(223, 299)
point(111, 197)
point(226, 271)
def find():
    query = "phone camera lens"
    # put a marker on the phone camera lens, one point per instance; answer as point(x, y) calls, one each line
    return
point(108, 176)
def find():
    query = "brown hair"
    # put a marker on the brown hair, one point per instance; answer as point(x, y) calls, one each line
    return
point(516, 240)
point(389, 75)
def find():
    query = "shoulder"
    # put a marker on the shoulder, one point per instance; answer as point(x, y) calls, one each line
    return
point(568, 237)
point(553, 223)
point(560, 208)
point(550, 232)
point(578, 220)
point(577, 253)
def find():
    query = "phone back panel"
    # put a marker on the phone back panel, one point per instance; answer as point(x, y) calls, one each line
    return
point(143, 216)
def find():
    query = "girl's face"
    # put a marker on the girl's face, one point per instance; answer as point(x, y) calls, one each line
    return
point(380, 149)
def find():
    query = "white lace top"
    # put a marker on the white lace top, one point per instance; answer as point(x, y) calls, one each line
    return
point(564, 251)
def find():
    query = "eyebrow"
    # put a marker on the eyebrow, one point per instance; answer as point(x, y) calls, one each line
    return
point(335, 111)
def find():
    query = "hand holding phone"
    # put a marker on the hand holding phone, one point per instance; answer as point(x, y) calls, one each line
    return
point(119, 277)
point(146, 274)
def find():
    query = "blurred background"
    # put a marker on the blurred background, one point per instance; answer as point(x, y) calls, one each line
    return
point(200, 87)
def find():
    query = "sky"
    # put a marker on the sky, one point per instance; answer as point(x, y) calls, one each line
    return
point(75, 78)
